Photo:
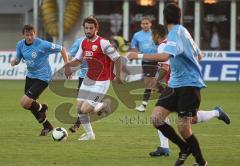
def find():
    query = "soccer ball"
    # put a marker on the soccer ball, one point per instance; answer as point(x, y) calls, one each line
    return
point(59, 134)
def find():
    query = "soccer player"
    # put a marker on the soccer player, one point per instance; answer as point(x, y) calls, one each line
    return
point(35, 52)
point(142, 42)
point(160, 38)
point(183, 93)
point(100, 57)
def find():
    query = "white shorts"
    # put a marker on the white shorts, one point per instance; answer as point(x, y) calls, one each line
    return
point(93, 91)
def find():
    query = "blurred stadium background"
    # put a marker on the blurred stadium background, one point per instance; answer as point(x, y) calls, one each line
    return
point(125, 137)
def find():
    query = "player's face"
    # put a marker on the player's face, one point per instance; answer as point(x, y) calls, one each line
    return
point(29, 36)
point(90, 30)
point(155, 38)
point(146, 25)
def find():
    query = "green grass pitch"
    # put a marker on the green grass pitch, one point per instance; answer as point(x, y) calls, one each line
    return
point(121, 138)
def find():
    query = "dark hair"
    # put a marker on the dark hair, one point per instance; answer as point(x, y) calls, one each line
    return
point(146, 18)
point(172, 14)
point(91, 20)
point(160, 29)
point(28, 28)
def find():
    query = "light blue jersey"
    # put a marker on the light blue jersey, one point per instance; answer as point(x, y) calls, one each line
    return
point(73, 51)
point(143, 42)
point(185, 68)
point(36, 57)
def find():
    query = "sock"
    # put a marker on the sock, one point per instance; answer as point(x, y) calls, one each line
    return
point(203, 116)
point(47, 124)
point(195, 149)
point(163, 140)
point(146, 96)
point(35, 107)
point(85, 121)
point(170, 133)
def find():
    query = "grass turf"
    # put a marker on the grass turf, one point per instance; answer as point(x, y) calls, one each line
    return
point(123, 138)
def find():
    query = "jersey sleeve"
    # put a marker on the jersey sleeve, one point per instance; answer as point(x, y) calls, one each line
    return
point(134, 42)
point(75, 46)
point(51, 47)
point(109, 50)
point(79, 52)
point(173, 45)
point(19, 55)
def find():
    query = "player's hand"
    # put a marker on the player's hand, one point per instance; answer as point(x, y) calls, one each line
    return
point(132, 55)
point(67, 71)
point(14, 62)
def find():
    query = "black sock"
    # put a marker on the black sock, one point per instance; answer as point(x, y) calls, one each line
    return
point(35, 109)
point(147, 94)
point(195, 149)
point(170, 133)
point(47, 124)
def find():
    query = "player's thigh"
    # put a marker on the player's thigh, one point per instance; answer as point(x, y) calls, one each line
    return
point(150, 82)
point(189, 99)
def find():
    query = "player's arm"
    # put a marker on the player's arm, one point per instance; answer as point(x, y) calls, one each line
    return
point(133, 50)
point(74, 63)
point(77, 60)
point(134, 44)
point(161, 57)
point(64, 55)
point(117, 64)
point(17, 59)
point(113, 54)
point(199, 57)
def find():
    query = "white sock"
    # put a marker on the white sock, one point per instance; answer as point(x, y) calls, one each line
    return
point(163, 139)
point(203, 116)
point(85, 122)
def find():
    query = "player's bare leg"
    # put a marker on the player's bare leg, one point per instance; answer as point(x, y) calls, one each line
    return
point(39, 112)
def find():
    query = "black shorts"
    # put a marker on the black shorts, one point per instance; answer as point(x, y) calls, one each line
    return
point(34, 87)
point(149, 69)
point(184, 100)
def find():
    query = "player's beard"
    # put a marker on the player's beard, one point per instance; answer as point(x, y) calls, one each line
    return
point(89, 36)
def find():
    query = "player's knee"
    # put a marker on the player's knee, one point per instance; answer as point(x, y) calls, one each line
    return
point(26, 104)
point(157, 120)
point(158, 117)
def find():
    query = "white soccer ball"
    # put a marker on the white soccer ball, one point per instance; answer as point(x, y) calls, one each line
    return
point(59, 134)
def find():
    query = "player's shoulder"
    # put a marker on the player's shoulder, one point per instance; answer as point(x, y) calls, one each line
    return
point(103, 40)
point(79, 40)
point(138, 33)
point(39, 41)
point(21, 42)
